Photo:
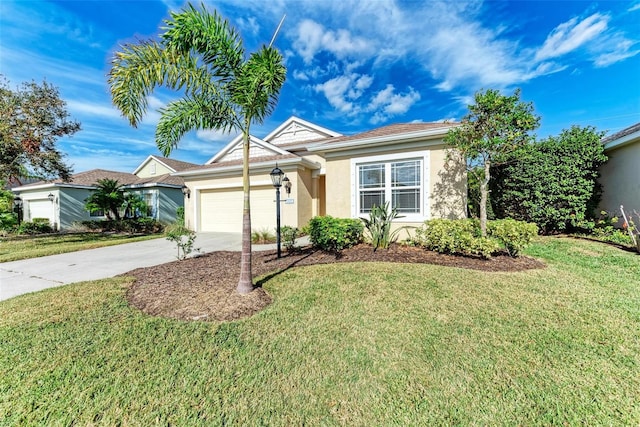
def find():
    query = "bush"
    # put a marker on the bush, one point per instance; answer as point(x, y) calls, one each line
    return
point(289, 235)
point(8, 221)
point(263, 236)
point(552, 183)
point(513, 235)
point(463, 236)
point(183, 238)
point(37, 226)
point(334, 234)
point(379, 226)
point(133, 226)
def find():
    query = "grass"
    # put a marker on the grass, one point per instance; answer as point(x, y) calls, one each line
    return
point(343, 344)
point(15, 248)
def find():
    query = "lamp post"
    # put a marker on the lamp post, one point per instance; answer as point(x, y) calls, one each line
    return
point(276, 177)
point(17, 202)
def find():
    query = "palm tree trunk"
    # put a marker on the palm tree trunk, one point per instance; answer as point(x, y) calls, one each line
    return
point(245, 284)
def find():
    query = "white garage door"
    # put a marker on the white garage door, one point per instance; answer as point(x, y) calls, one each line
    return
point(221, 210)
point(40, 209)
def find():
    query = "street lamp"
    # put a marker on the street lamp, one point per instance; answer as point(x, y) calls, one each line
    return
point(17, 202)
point(276, 177)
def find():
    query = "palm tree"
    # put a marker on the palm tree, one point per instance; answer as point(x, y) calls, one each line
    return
point(108, 197)
point(202, 55)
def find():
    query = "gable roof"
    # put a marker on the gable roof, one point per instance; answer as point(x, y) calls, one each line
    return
point(171, 164)
point(624, 137)
point(292, 133)
point(257, 148)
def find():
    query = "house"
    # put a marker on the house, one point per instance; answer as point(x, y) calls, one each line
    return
point(620, 175)
point(331, 174)
point(63, 202)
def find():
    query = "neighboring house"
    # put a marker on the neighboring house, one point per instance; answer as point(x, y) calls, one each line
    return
point(331, 174)
point(620, 175)
point(63, 202)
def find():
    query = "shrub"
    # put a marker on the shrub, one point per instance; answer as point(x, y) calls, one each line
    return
point(289, 235)
point(37, 226)
point(552, 183)
point(334, 234)
point(513, 235)
point(183, 238)
point(8, 221)
point(463, 236)
point(379, 226)
point(133, 226)
point(260, 237)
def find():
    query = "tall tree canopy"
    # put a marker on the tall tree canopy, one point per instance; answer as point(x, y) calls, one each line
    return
point(32, 119)
point(495, 125)
point(203, 56)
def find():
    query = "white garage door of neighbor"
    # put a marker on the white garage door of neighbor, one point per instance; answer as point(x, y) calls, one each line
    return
point(221, 210)
point(40, 209)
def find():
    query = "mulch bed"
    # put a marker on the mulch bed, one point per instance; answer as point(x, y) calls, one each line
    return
point(204, 287)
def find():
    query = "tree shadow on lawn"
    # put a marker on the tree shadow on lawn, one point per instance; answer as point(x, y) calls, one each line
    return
point(204, 288)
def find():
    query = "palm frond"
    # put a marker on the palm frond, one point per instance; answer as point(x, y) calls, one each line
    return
point(192, 113)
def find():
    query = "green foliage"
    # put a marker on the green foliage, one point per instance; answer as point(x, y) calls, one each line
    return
point(108, 197)
point(129, 225)
point(379, 224)
point(495, 126)
point(183, 238)
point(180, 215)
point(8, 221)
point(36, 226)
point(6, 199)
point(605, 228)
point(455, 237)
point(260, 237)
point(552, 183)
point(334, 234)
point(134, 206)
point(464, 236)
point(513, 235)
point(289, 235)
point(32, 118)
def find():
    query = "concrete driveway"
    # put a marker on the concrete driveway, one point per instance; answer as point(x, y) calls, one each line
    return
point(30, 275)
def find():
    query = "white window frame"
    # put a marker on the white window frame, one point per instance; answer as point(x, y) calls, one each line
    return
point(387, 159)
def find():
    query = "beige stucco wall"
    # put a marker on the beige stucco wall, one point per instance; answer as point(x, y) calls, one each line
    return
point(620, 179)
point(295, 213)
point(447, 184)
point(147, 170)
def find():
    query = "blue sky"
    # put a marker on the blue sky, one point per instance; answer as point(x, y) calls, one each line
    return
point(352, 65)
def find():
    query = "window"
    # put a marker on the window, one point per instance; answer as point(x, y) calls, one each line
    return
point(97, 213)
point(395, 179)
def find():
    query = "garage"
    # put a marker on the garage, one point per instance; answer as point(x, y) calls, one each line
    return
point(221, 210)
point(39, 209)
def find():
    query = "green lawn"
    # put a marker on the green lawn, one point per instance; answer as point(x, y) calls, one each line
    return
point(23, 247)
point(343, 344)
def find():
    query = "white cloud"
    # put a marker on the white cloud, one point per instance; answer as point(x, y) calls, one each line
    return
point(386, 103)
point(571, 35)
point(312, 38)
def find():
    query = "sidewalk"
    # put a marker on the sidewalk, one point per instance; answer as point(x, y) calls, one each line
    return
point(29, 275)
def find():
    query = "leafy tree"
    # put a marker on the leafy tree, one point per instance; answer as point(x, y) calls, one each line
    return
point(108, 197)
point(495, 125)
point(552, 183)
point(202, 55)
point(32, 119)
